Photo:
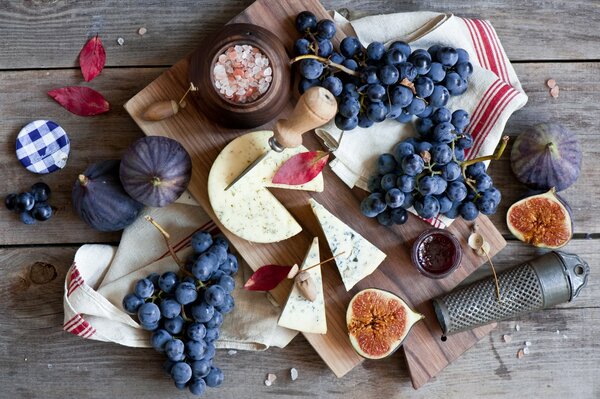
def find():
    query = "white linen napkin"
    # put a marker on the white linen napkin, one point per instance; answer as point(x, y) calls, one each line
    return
point(494, 91)
point(101, 275)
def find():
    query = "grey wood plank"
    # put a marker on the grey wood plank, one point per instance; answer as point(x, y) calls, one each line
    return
point(39, 360)
point(43, 34)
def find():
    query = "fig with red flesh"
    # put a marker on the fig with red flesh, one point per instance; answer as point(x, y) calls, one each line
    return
point(546, 156)
point(542, 220)
point(378, 322)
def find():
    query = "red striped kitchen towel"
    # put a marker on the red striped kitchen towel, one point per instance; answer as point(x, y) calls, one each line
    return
point(494, 91)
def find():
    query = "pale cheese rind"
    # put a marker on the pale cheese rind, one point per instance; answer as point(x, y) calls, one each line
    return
point(359, 258)
point(299, 313)
point(248, 209)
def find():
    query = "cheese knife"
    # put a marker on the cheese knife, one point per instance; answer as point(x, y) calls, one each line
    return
point(315, 107)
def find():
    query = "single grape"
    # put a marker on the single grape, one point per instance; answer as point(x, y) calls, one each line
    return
point(148, 313)
point(409, 200)
point(393, 57)
point(311, 68)
point(159, 339)
point(174, 325)
point(495, 194)
point(433, 50)
point(153, 277)
point(416, 106)
point(444, 132)
point(427, 112)
point(388, 74)
point(376, 92)
point(445, 203)
point(227, 305)
point(144, 288)
point(441, 185)
point(376, 111)
point(168, 282)
point(24, 202)
point(406, 183)
point(325, 48)
point(181, 372)
point(439, 97)
point(486, 203)
point(407, 71)
point(212, 334)
point(214, 377)
point(306, 21)
point(421, 60)
point(454, 210)
point(351, 91)
point(301, 46)
point(10, 201)
point(451, 171)
point(427, 207)
point(403, 47)
point(394, 198)
point(174, 350)
point(40, 191)
point(336, 57)
point(350, 64)
point(186, 293)
point(388, 181)
point(196, 331)
point(447, 56)
point(349, 46)
point(463, 55)
point(393, 111)
point(401, 95)
point(215, 321)
point(214, 295)
point(403, 149)
point(385, 218)
point(220, 251)
point(464, 141)
point(459, 154)
point(427, 185)
point(333, 84)
point(386, 163)
point(344, 123)
point(306, 84)
point(475, 169)
point(436, 73)
point(375, 51)
point(373, 205)
point(453, 82)
point(442, 115)
point(349, 107)
point(203, 312)
point(405, 116)
point(197, 386)
point(469, 211)
point(205, 265)
point(27, 218)
point(413, 165)
point(231, 266)
point(483, 182)
point(399, 215)
point(368, 75)
point(131, 303)
point(325, 29)
point(441, 154)
point(374, 183)
point(464, 69)
point(201, 368)
point(195, 349)
point(456, 191)
point(460, 119)
point(227, 283)
point(423, 86)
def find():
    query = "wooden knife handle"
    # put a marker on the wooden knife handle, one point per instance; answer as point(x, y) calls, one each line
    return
point(315, 107)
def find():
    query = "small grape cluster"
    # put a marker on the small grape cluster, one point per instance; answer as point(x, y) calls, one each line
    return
point(185, 314)
point(378, 83)
point(31, 205)
point(429, 173)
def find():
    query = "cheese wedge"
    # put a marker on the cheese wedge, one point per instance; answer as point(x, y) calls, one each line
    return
point(248, 209)
point(359, 259)
point(299, 313)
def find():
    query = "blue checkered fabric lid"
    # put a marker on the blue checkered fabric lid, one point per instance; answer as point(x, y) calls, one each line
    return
point(43, 147)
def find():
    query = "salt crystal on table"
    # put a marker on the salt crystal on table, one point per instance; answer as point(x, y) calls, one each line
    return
point(526, 351)
point(518, 327)
point(293, 374)
point(507, 338)
point(527, 343)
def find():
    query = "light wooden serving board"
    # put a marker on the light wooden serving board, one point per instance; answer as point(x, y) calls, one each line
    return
point(426, 354)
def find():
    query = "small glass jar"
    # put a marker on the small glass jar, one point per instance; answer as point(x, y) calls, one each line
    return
point(436, 253)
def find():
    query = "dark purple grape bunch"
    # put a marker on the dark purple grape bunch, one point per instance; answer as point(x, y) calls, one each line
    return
point(374, 84)
point(429, 173)
point(185, 311)
point(31, 205)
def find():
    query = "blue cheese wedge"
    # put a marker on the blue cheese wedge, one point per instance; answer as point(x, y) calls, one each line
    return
point(248, 209)
point(299, 313)
point(358, 258)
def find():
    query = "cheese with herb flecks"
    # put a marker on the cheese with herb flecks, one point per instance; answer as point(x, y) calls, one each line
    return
point(356, 257)
point(248, 209)
point(299, 313)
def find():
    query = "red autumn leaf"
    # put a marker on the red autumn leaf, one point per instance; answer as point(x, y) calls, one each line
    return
point(80, 100)
point(301, 168)
point(267, 277)
point(92, 58)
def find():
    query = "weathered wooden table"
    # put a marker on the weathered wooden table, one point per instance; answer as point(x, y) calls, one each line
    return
point(39, 43)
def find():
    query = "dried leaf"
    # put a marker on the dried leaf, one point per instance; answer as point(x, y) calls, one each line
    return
point(301, 168)
point(80, 100)
point(554, 91)
point(92, 58)
point(267, 277)
point(551, 83)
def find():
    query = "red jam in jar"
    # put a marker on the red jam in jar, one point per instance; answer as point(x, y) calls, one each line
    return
point(436, 253)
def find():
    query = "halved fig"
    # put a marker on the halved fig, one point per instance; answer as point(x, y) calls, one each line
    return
point(378, 321)
point(542, 220)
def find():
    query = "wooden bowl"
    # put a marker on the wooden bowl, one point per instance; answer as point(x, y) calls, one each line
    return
point(224, 111)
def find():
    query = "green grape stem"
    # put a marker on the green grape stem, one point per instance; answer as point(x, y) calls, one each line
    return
point(494, 157)
point(325, 61)
point(184, 316)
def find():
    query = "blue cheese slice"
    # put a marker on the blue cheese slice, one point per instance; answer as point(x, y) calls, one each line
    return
point(358, 258)
point(299, 313)
point(248, 209)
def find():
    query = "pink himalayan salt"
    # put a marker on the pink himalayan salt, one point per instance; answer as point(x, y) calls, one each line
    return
point(242, 74)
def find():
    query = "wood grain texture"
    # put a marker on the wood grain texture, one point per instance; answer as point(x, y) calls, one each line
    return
point(39, 360)
point(50, 33)
point(425, 353)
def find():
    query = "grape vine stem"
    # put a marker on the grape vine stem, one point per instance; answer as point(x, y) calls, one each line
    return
point(494, 157)
point(325, 61)
point(167, 238)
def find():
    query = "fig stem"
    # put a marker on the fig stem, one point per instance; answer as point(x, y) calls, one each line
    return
point(322, 262)
point(83, 180)
point(494, 157)
point(155, 181)
point(167, 238)
point(325, 61)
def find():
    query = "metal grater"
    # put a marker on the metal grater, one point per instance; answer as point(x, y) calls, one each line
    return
point(548, 280)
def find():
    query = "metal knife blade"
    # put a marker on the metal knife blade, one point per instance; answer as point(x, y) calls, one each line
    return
point(248, 168)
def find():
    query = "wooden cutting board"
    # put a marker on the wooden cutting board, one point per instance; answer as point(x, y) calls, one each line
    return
point(426, 354)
